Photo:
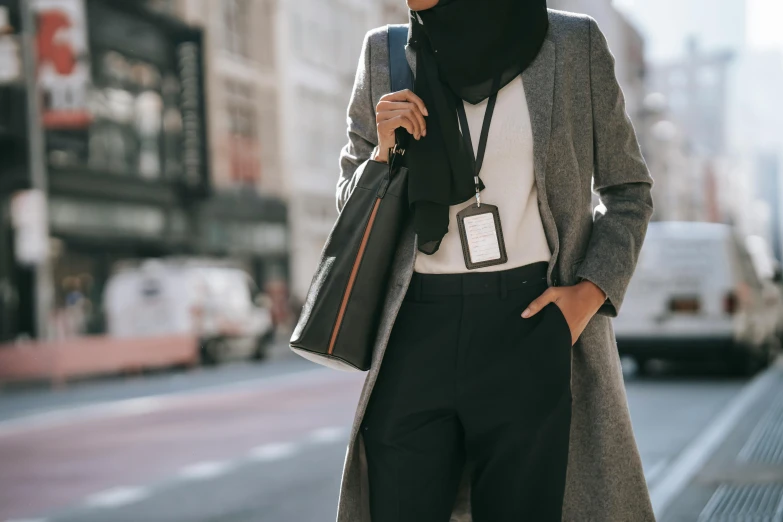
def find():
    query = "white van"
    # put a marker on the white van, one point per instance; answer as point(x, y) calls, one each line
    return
point(214, 301)
point(695, 295)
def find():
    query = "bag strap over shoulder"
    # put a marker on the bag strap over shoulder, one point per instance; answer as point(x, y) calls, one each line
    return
point(400, 71)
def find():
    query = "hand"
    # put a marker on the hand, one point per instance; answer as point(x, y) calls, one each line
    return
point(394, 110)
point(578, 303)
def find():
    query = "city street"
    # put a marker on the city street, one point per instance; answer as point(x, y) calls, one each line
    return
point(250, 442)
point(174, 183)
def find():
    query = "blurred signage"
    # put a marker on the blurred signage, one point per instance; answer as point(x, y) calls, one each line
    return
point(79, 217)
point(63, 63)
point(246, 237)
point(189, 59)
point(31, 235)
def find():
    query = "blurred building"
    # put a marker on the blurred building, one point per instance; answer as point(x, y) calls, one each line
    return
point(668, 25)
point(177, 127)
point(122, 119)
point(755, 134)
point(768, 190)
point(280, 77)
point(246, 216)
point(696, 88)
point(755, 106)
point(697, 176)
point(727, 106)
point(669, 157)
point(625, 42)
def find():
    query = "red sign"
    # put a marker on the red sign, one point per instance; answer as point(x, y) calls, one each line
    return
point(63, 63)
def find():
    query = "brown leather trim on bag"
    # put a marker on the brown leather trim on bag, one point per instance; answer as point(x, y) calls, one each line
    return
point(352, 278)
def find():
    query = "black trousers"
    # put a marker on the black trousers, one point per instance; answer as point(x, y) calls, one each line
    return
point(466, 380)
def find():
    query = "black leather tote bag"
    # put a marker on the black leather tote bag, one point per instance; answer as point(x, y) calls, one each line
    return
point(339, 319)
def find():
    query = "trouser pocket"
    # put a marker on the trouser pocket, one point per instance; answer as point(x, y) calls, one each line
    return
point(564, 328)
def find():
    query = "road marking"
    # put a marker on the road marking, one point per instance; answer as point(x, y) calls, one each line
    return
point(106, 410)
point(690, 460)
point(205, 470)
point(26, 520)
point(274, 451)
point(651, 474)
point(327, 435)
point(139, 405)
point(116, 497)
point(122, 496)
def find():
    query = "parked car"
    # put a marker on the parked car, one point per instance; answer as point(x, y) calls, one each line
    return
point(213, 301)
point(696, 295)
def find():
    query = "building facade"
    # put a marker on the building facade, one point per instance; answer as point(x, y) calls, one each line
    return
point(123, 123)
point(280, 78)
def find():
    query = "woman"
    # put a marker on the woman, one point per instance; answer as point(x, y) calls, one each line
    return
point(501, 395)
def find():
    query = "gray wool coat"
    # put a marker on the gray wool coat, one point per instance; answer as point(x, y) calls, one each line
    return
point(581, 133)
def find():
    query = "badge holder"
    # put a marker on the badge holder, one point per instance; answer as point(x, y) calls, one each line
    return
point(479, 224)
point(481, 236)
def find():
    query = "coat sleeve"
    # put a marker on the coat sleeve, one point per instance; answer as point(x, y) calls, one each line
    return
point(621, 179)
point(362, 133)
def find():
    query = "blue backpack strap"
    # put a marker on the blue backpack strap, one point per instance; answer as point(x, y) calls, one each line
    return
point(400, 71)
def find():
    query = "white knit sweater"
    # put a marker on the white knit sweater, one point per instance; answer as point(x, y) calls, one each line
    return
point(507, 172)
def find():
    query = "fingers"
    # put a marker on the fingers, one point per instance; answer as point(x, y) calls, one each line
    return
point(387, 126)
point(387, 108)
point(413, 116)
point(540, 302)
point(406, 95)
point(401, 109)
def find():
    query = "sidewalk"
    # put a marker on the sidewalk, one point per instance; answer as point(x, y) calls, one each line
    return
point(733, 472)
point(17, 402)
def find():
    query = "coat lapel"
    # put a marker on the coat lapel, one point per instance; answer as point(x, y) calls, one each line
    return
point(539, 82)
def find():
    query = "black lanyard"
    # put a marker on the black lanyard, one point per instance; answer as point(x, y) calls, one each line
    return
point(478, 158)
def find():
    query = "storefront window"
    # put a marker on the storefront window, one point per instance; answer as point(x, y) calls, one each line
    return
point(77, 299)
point(242, 133)
point(143, 100)
point(137, 125)
point(236, 25)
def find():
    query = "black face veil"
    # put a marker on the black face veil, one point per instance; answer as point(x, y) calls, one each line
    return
point(466, 50)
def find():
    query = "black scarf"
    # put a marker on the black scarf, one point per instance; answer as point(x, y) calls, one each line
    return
point(461, 47)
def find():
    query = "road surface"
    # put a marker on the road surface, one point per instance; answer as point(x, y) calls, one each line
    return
point(242, 443)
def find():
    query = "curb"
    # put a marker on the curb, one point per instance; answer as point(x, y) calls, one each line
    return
point(690, 460)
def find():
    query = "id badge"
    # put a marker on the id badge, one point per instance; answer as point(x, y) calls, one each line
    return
point(481, 236)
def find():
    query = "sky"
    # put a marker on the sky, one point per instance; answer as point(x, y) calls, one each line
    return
point(763, 23)
point(667, 24)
